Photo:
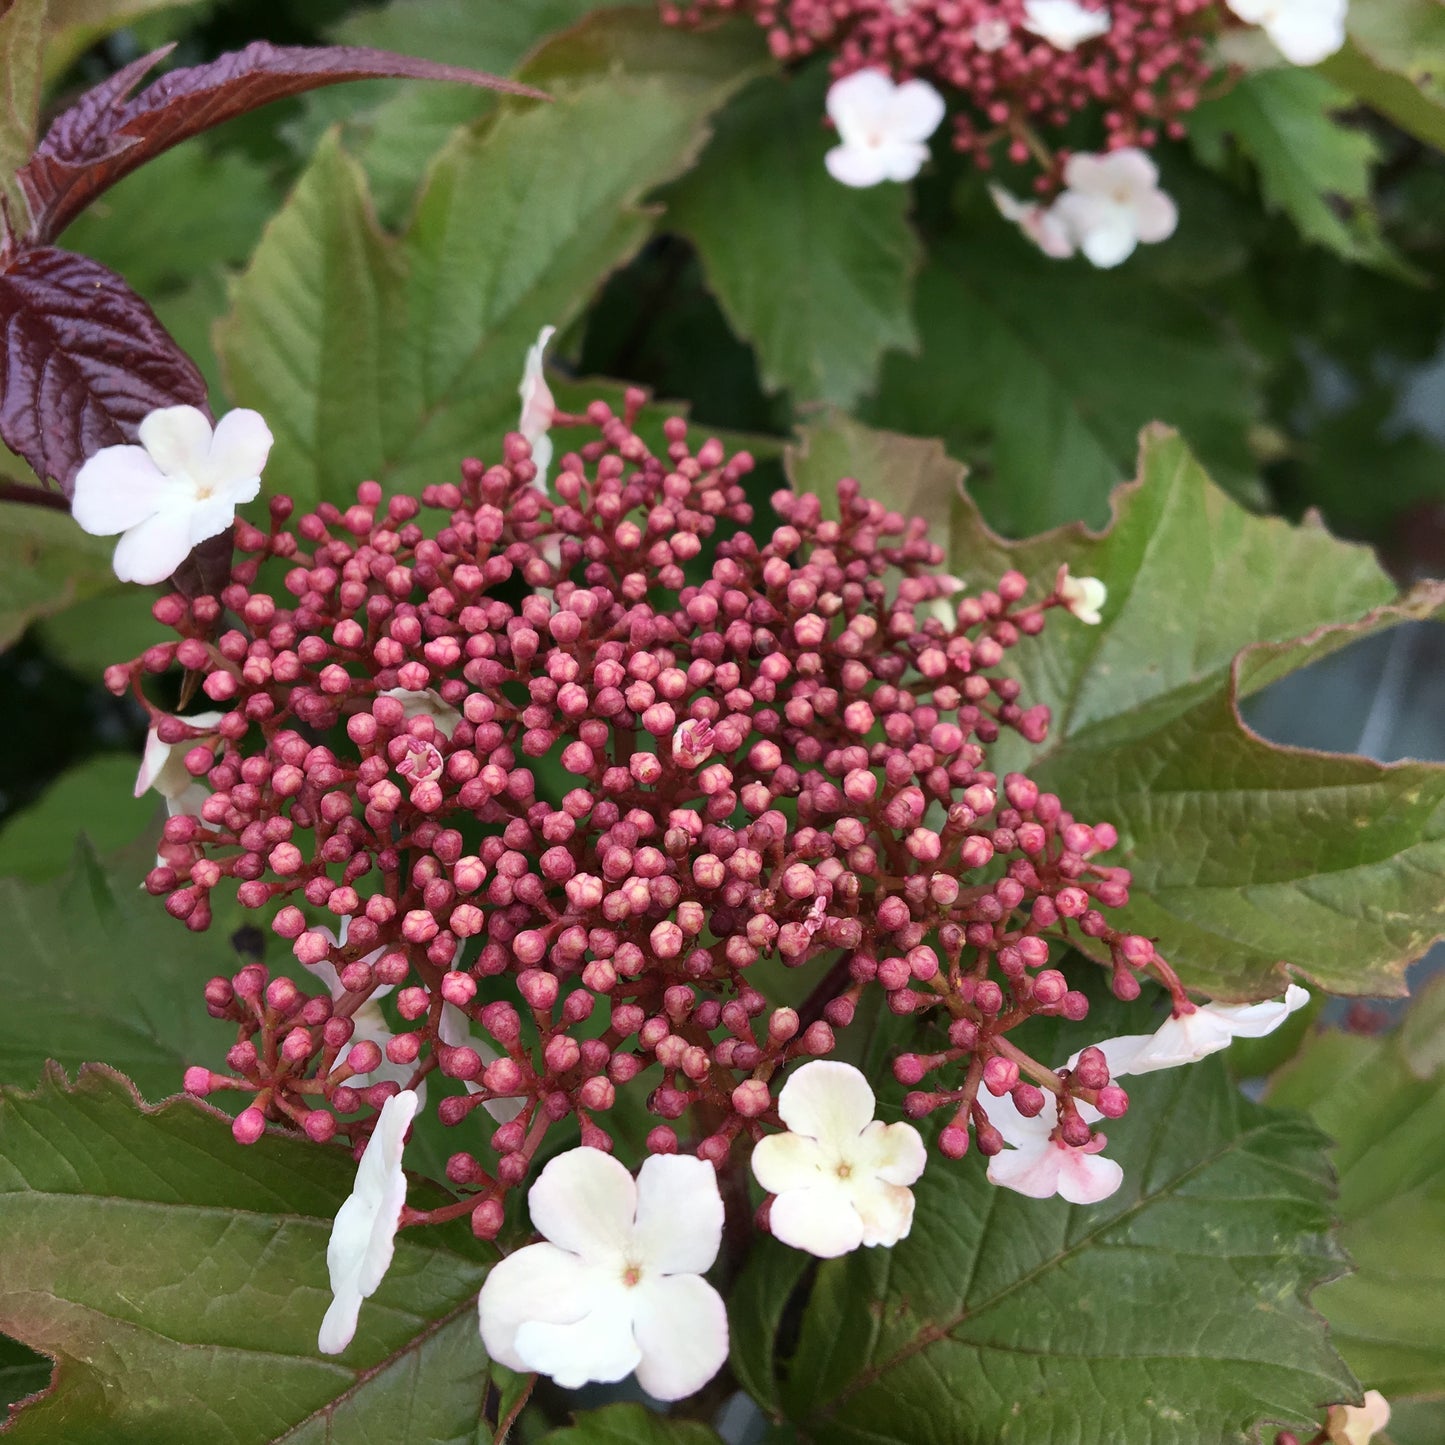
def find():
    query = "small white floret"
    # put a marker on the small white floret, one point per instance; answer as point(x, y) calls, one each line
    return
point(1084, 597)
point(1112, 203)
point(1065, 24)
point(883, 128)
point(1040, 1165)
point(181, 485)
point(538, 407)
point(1305, 32)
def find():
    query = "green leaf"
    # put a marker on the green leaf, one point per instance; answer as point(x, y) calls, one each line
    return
point(21, 34)
point(1394, 61)
point(179, 1281)
point(1390, 1155)
point(96, 970)
point(816, 276)
point(22, 1371)
point(94, 799)
point(629, 1425)
point(1173, 1313)
point(1313, 168)
point(756, 1307)
point(46, 564)
point(395, 129)
point(1040, 374)
point(1248, 860)
point(394, 359)
point(73, 26)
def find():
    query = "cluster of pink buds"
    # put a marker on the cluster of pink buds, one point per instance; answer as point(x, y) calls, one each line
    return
point(576, 777)
point(1012, 77)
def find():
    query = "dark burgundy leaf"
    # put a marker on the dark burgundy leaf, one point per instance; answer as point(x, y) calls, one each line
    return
point(105, 136)
point(84, 359)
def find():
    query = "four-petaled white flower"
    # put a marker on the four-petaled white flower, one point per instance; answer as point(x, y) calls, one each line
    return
point(1305, 32)
point(363, 1237)
point(1084, 596)
point(1065, 24)
point(163, 767)
point(883, 127)
point(1187, 1038)
point(538, 407)
point(841, 1176)
point(1037, 222)
point(1040, 1165)
point(426, 703)
point(618, 1285)
point(1358, 1424)
point(1112, 203)
point(181, 485)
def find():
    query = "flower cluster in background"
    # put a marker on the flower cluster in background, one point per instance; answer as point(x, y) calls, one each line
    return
point(1016, 73)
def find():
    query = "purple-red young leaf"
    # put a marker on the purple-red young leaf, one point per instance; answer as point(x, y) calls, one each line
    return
point(84, 360)
point(105, 136)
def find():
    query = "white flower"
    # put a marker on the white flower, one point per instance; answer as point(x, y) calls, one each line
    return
point(1187, 1038)
point(1084, 596)
point(1358, 1424)
point(538, 407)
point(1040, 1165)
point(364, 1235)
point(991, 34)
point(1065, 24)
point(163, 767)
point(425, 704)
point(839, 1174)
point(693, 742)
point(1112, 202)
point(181, 485)
point(1303, 31)
point(1038, 223)
point(618, 1287)
point(883, 127)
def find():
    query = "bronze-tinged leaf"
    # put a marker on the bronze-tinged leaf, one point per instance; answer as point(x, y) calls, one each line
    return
point(84, 359)
point(105, 136)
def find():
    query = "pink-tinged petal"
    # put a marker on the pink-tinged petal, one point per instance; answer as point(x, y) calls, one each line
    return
point(540, 1282)
point(188, 802)
point(599, 1347)
point(1131, 170)
point(857, 166)
point(679, 1215)
point(787, 1161)
point(917, 111)
point(681, 1327)
point(1033, 1170)
point(538, 407)
point(150, 552)
point(117, 489)
point(894, 1153)
point(239, 449)
point(542, 458)
point(827, 1101)
point(1021, 1132)
point(178, 439)
point(153, 762)
point(886, 1210)
point(1087, 173)
point(820, 1220)
point(585, 1201)
point(1155, 217)
point(903, 159)
point(859, 105)
point(1086, 1178)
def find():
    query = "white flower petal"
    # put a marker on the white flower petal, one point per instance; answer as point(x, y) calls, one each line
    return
point(826, 1100)
point(178, 439)
point(1085, 1178)
point(787, 1161)
point(1032, 1170)
point(116, 489)
point(857, 166)
point(903, 159)
point(886, 1210)
point(858, 104)
point(238, 450)
point(585, 1201)
point(821, 1219)
point(363, 1238)
point(539, 1282)
point(426, 703)
point(680, 1325)
point(150, 552)
point(1064, 23)
point(917, 111)
point(597, 1347)
point(895, 1153)
point(679, 1215)
point(210, 516)
point(1018, 1129)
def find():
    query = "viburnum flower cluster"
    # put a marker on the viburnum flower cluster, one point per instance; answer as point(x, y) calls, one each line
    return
point(1017, 73)
point(548, 788)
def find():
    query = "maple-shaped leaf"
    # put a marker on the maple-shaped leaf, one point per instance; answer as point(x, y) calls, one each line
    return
point(109, 132)
point(84, 360)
